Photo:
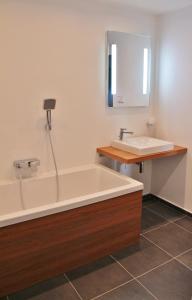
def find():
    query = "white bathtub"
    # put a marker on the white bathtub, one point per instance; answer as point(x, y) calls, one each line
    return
point(78, 187)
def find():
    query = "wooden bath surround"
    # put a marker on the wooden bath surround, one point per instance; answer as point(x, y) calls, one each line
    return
point(39, 249)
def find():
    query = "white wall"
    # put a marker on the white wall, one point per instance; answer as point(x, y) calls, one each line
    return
point(52, 48)
point(172, 177)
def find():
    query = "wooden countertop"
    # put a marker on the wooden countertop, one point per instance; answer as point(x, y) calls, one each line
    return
point(129, 158)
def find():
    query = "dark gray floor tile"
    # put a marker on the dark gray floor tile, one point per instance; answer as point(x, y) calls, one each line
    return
point(150, 220)
point(149, 199)
point(165, 211)
point(130, 291)
point(185, 223)
point(171, 238)
point(54, 289)
point(186, 259)
point(61, 293)
point(65, 292)
point(172, 281)
point(141, 257)
point(99, 277)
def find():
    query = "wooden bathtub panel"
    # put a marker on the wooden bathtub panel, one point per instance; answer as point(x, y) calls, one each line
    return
point(36, 250)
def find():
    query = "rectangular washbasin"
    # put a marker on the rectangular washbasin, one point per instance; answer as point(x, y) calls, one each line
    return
point(143, 145)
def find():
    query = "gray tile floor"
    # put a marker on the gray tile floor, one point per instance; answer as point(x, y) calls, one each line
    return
point(159, 267)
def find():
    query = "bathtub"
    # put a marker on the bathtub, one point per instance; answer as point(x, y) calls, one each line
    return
point(99, 212)
point(78, 187)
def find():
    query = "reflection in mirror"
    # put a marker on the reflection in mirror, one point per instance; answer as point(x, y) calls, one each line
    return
point(128, 69)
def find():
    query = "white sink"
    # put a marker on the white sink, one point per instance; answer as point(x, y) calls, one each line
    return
point(142, 145)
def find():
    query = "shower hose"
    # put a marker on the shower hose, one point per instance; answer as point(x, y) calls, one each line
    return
point(21, 190)
point(55, 164)
point(56, 171)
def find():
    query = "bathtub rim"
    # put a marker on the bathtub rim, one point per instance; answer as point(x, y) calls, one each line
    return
point(75, 202)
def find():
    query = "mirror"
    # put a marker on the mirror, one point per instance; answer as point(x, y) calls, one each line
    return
point(128, 69)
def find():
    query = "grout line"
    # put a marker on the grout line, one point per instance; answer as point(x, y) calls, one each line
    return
point(183, 253)
point(177, 259)
point(157, 245)
point(155, 212)
point(135, 278)
point(71, 284)
point(122, 266)
point(149, 292)
point(166, 262)
point(181, 262)
point(179, 218)
point(183, 228)
point(161, 265)
point(168, 223)
point(173, 257)
point(168, 220)
point(113, 289)
point(155, 228)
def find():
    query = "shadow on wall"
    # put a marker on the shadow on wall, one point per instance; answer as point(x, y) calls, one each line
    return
point(130, 170)
point(107, 162)
point(169, 179)
point(122, 168)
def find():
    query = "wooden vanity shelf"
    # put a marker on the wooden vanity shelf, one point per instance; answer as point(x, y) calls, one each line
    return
point(130, 158)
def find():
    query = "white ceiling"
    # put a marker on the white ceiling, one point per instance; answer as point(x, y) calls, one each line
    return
point(153, 6)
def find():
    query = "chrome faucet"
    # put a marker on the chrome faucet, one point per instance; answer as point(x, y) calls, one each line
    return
point(124, 131)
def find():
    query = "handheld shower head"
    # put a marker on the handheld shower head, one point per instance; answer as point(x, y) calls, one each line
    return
point(48, 105)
